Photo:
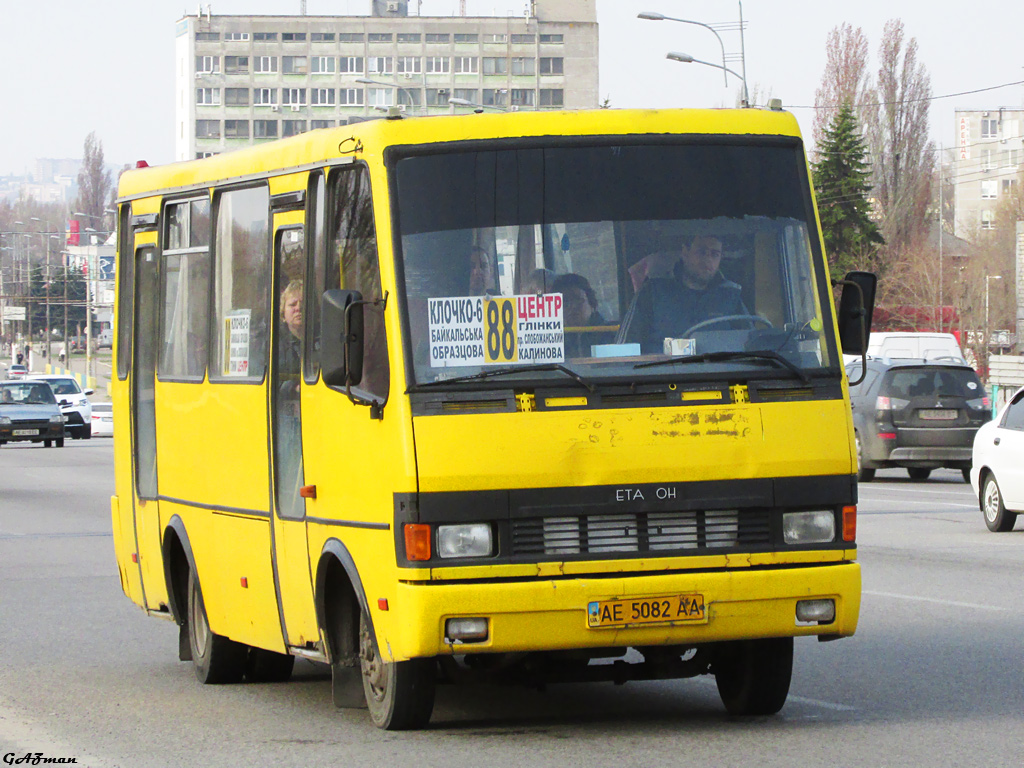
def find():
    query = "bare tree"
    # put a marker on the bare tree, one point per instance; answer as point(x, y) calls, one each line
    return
point(903, 157)
point(94, 180)
point(845, 79)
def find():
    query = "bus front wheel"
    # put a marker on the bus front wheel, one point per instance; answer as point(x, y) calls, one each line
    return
point(753, 675)
point(399, 694)
point(217, 659)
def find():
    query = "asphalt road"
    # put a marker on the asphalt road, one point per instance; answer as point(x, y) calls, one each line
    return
point(933, 676)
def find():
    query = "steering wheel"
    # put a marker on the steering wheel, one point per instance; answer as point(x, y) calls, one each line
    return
point(727, 319)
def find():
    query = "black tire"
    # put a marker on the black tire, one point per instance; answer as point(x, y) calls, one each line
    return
point(967, 474)
point(864, 474)
point(217, 659)
point(997, 517)
point(399, 695)
point(60, 442)
point(87, 432)
point(919, 474)
point(47, 443)
point(753, 676)
point(264, 666)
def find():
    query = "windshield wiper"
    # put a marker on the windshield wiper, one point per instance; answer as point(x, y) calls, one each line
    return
point(508, 371)
point(713, 357)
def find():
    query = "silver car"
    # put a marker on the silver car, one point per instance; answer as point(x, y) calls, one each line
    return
point(29, 412)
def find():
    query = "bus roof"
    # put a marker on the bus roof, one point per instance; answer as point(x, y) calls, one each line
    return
point(327, 144)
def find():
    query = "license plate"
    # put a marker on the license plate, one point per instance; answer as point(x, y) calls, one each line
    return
point(938, 414)
point(647, 610)
point(25, 432)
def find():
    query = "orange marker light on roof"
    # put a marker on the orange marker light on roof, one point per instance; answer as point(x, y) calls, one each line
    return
point(417, 541)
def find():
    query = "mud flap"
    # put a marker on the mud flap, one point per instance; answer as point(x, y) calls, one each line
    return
point(347, 684)
point(184, 646)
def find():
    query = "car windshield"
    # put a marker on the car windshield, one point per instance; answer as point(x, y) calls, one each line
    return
point(906, 383)
point(603, 258)
point(64, 386)
point(29, 393)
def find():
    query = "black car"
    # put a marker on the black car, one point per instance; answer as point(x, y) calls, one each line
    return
point(918, 414)
point(29, 411)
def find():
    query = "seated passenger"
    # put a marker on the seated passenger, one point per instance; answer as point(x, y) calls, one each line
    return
point(696, 291)
point(579, 311)
point(481, 273)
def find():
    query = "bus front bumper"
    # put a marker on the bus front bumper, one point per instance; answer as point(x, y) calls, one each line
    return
point(552, 614)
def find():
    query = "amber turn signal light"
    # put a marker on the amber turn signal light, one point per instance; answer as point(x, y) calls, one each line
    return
point(849, 523)
point(417, 541)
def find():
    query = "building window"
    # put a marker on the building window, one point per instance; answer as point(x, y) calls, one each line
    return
point(379, 65)
point(438, 37)
point(1009, 186)
point(321, 37)
point(293, 37)
point(324, 65)
point(264, 97)
point(551, 65)
point(467, 65)
point(524, 39)
point(207, 65)
point(989, 189)
point(207, 37)
point(521, 97)
point(350, 97)
point(380, 97)
point(1010, 158)
point(467, 37)
point(236, 129)
point(207, 97)
point(293, 97)
point(437, 65)
point(379, 37)
point(350, 37)
point(989, 128)
point(264, 64)
point(236, 97)
point(204, 155)
point(408, 37)
point(264, 36)
point(236, 37)
point(236, 65)
point(409, 97)
point(987, 160)
point(524, 66)
point(207, 129)
point(292, 128)
point(496, 38)
point(264, 129)
point(469, 94)
point(495, 97)
point(410, 65)
point(351, 65)
point(317, 124)
point(322, 97)
point(988, 220)
point(294, 65)
point(551, 39)
point(551, 97)
point(495, 66)
point(437, 97)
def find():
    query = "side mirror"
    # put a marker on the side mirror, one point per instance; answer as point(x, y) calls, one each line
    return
point(341, 358)
point(856, 306)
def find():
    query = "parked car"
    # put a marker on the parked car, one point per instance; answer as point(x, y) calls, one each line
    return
point(918, 414)
point(102, 420)
point(105, 340)
point(997, 475)
point(29, 411)
point(73, 402)
point(16, 371)
point(903, 344)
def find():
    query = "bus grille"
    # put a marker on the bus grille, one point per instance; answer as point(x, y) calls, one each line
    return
point(661, 532)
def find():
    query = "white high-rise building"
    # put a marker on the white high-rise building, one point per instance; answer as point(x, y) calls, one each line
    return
point(987, 164)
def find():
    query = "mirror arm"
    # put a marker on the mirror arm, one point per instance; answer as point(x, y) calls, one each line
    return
point(863, 328)
point(376, 406)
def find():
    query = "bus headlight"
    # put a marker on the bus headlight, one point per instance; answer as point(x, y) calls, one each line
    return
point(472, 540)
point(817, 527)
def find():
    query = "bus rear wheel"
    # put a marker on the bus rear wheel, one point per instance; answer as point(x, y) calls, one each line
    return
point(753, 675)
point(216, 658)
point(400, 694)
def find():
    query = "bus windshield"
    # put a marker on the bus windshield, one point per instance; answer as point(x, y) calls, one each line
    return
point(691, 259)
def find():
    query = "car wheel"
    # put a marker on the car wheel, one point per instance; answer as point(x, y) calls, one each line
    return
point(87, 432)
point(966, 474)
point(918, 474)
point(399, 694)
point(864, 474)
point(46, 443)
point(60, 442)
point(997, 517)
point(753, 676)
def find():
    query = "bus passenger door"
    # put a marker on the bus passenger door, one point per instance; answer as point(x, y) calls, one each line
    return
point(144, 352)
point(291, 553)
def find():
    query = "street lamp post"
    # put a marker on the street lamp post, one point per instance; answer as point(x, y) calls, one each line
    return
point(686, 58)
point(648, 16)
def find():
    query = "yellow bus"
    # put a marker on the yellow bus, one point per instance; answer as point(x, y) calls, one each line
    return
point(521, 397)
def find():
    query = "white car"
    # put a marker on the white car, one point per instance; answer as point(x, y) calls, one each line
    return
point(74, 403)
point(997, 471)
point(102, 420)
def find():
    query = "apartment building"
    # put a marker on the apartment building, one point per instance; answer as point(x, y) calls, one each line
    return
point(987, 164)
point(245, 79)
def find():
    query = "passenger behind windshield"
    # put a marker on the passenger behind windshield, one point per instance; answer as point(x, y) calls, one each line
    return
point(696, 291)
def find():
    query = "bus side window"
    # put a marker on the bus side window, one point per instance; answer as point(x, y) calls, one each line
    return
point(352, 264)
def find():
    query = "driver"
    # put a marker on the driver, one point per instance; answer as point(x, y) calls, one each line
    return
point(696, 291)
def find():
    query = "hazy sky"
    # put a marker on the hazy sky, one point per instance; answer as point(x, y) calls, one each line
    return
point(71, 67)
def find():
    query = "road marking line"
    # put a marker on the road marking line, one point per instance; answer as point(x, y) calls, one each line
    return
point(950, 603)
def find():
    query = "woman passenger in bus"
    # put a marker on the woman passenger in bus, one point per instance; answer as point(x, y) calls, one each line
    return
point(579, 312)
point(481, 273)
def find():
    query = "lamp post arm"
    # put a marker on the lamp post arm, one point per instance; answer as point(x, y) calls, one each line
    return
point(725, 76)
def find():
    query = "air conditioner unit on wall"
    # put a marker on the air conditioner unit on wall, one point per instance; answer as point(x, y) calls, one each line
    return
point(275, 108)
point(295, 107)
